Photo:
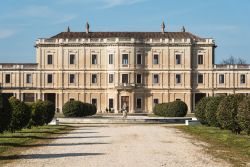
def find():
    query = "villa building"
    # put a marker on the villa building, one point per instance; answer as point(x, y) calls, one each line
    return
point(109, 69)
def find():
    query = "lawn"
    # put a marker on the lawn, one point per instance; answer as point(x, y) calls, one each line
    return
point(11, 144)
point(222, 143)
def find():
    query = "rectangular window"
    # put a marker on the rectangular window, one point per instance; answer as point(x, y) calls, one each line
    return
point(94, 78)
point(178, 78)
point(155, 78)
point(138, 78)
point(111, 57)
point(200, 78)
point(221, 79)
point(28, 78)
point(111, 103)
point(71, 99)
point(139, 59)
point(200, 59)
point(94, 101)
point(156, 59)
point(156, 101)
point(111, 78)
point(138, 103)
point(94, 59)
point(71, 78)
point(28, 97)
point(178, 59)
point(72, 59)
point(242, 78)
point(49, 78)
point(7, 78)
point(124, 59)
point(50, 59)
point(124, 78)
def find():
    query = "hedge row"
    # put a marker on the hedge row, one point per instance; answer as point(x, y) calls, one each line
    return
point(171, 109)
point(227, 112)
point(78, 109)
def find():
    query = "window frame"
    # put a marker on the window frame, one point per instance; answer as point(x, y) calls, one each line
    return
point(140, 78)
point(94, 61)
point(72, 59)
point(156, 60)
point(127, 78)
point(28, 80)
point(244, 79)
point(220, 75)
point(137, 56)
point(125, 62)
point(112, 103)
point(154, 101)
point(109, 78)
point(198, 81)
point(92, 78)
point(74, 78)
point(198, 59)
point(157, 79)
point(178, 79)
point(179, 61)
point(140, 107)
point(49, 59)
point(48, 78)
point(92, 100)
point(9, 79)
point(111, 58)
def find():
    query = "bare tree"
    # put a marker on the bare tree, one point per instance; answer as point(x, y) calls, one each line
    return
point(233, 60)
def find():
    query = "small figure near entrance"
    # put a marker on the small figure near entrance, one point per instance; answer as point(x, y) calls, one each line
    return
point(124, 111)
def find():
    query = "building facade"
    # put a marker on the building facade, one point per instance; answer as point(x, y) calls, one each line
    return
point(109, 69)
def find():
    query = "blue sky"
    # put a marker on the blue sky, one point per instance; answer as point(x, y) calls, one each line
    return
point(23, 21)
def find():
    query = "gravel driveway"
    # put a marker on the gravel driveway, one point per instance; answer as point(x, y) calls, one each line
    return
point(119, 146)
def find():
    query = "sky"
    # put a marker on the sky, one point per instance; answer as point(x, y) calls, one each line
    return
point(22, 22)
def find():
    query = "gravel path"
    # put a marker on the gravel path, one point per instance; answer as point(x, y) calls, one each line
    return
point(119, 146)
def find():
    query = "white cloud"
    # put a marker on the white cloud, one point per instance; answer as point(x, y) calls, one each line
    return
point(6, 33)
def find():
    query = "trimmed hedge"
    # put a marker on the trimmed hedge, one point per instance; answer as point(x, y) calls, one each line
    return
point(21, 114)
point(38, 114)
point(5, 113)
point(243, 115)
point(78, 109)
point(50, 111)
point(200, 110)
point(171, 109)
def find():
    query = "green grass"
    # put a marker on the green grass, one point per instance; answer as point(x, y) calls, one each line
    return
point(222, 143)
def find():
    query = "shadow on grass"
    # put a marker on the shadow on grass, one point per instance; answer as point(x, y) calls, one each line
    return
point(49, 145)
point(49, 138)
point(47, 156)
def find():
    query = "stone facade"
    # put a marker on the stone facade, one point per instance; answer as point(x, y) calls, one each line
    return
point(113, 68)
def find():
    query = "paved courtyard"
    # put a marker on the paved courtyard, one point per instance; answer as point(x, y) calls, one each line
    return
point(119, 146)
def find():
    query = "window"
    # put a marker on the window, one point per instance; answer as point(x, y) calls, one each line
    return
point(125, 59)
point(138, 103)
point(178, 78)
point(242, 78)
point(221, 79)
point(49, 78)
point(178, 59)
point(111, 78)
point(94, 78)
point(72, 59)
point(124, 78)
point(111, 57)
point(200, 78)
point(138, 78)
point(177, 99)
point(156, 78)
point(28, 97)
point(156, 101)
point(94, 59)
point(139, 59)
point(111, 103)
point(71, 78)
point(156, 59)
point(94, 101)
point(7, 78)
point(200, 59)
point(28, 78)
point(71, 99)
point(49, 58)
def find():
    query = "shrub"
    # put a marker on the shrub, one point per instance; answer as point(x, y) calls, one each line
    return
point(78, 109)
point(211, 109)
point(5, 113)
point(161, 109)
point(21, 114)
point(180, 108)
point(227, 113)
point(38, 114)
point(200, 110)
point(172, 109)
point(50, 111)
point(243, 116)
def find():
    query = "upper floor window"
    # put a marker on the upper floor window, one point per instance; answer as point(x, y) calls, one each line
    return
point(28, 78)
point(7, 78)
point(94, 59)
point(156, 59)
point(71, 78)
point(242, 78)
point(221, 79)
point(72, 59)
point(138, 78)
point(111, 58)
point(138, 59)
point(50, 59)
point(138, 103)
point(124, 58)
point(111, 78)
point(178, 59)
point(200, 78)
point(94, 101)
point(156, 79)
point(124, 78)
point(94, 78)
point(49, 78)
point(178, 78)
point(200, 59)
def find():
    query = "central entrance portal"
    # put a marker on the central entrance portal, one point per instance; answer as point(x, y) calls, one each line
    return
point(125, 100)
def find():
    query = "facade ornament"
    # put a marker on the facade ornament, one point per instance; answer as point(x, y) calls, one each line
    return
point(163, 27)
point(87, 28)
point(183, 29)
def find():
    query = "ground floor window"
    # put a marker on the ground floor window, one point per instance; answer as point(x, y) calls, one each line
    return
point(111, 103)
point(94, 101)
point(138, 103)
point(28, 97)
point(156, 101)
